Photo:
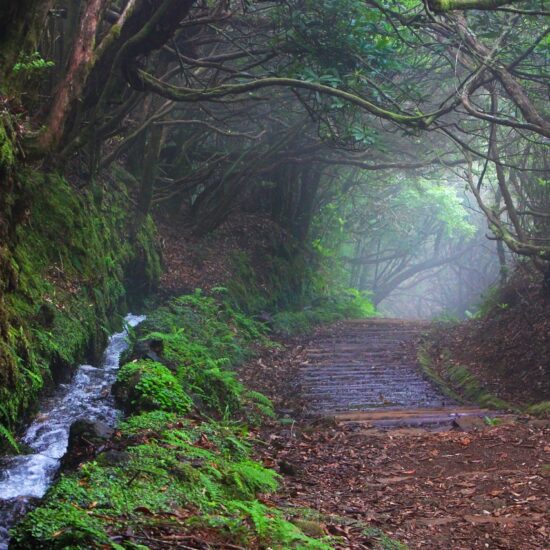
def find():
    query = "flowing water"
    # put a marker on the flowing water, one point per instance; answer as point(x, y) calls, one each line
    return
point(25, 478)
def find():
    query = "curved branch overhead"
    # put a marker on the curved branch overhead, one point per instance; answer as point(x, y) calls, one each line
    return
point(441, 6)
point(179, 93)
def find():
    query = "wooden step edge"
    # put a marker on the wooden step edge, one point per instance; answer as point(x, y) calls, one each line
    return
point(410, 413)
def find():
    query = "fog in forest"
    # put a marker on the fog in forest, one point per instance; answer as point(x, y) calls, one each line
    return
point(274, 274)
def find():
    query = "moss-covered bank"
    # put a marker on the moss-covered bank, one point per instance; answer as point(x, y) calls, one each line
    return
point(180, 468)
point(70, 261)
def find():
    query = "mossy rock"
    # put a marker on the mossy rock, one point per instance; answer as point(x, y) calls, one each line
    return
point(148, 386)
point(310, 528)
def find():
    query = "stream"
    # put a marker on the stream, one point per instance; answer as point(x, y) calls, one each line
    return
point(25, 478)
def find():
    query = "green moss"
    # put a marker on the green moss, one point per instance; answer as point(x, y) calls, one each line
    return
point(7, 155)
point(425, 361)
point(151, 386)
point(469, 386)
point(72, 262)
point(458, 383)
point(541, 409)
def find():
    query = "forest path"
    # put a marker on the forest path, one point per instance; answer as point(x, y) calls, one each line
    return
point(381, 453)
point(366, 371)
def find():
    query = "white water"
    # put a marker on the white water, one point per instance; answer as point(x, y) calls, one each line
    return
point(88, 395)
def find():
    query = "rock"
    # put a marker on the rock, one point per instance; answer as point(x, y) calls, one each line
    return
point(85, 438)
point(470, 423)
point(151, 349)
point(265, 317)
point(310, 528)
point(112, 457)
point(122, 392)
point(89, 430)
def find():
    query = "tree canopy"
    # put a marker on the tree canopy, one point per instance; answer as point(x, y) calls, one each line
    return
point(292, 105)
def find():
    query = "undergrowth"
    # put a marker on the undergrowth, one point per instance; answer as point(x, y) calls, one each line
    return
point(201, 338)
point(298, 287)
point(459, 384)
point(541, 409)
point(169, 472)
point(346, 304)
point(183, 475)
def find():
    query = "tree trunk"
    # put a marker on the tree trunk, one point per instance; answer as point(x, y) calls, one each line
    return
point(80, 66)
point(148, 174)
point(306, 203)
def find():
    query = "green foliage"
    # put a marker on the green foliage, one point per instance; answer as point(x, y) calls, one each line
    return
point(348, 304)
point(153, 387)
point(153, 421)
point(203, 466)
point(197, 328)
point(71, 264)
point(304, 290)
point(289, 277)
point(490, 303)
point(32, 63)
point(492, 421)
point(201, 339)
point(63, 525)
point(442, 199)
point(249, 478)
point(330, 46)
point(8, 437)
point(270, 527)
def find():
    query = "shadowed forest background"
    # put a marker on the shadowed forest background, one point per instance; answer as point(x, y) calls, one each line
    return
point(243, 171)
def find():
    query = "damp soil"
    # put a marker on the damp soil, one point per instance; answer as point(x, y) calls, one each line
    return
point(478, 485)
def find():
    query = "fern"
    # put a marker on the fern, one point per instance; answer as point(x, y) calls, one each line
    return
point(274, 530)
point(7, 435)
point(250, 478)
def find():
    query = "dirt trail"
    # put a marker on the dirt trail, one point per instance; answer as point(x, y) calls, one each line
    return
point(365, 470)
